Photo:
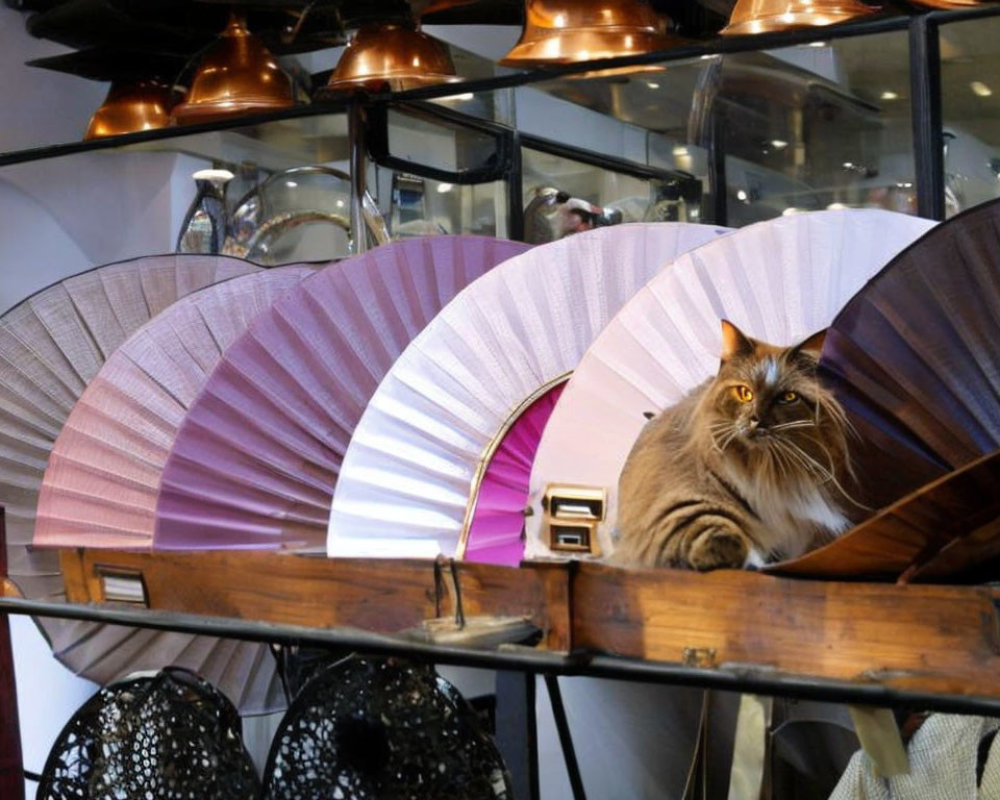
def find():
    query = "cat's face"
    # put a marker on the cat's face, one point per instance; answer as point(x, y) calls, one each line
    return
point(767, 407)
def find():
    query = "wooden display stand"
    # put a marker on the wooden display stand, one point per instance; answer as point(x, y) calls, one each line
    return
point(919, 638)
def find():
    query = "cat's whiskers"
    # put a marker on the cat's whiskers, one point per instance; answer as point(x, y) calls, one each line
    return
point(729, 432)
point(827, 474)
point(797, 423)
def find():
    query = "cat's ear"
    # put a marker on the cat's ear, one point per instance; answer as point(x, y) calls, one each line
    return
point(813, 345)
point(734, 343)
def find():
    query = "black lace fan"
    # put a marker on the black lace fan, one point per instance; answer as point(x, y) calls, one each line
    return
point(382, 729)
point(169, 736)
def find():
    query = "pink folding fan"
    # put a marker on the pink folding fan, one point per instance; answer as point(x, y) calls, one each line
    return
point(101, 483)
point(778, 280)
point(412, 475)
point(51, 345)
point(255, 461)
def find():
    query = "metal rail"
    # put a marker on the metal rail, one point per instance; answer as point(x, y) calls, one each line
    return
point(726, 677)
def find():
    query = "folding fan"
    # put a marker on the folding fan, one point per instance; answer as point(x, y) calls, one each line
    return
point(101, 482)
point(410, 477)
point(779, 281)
point(51, 345)
point(914, 356)
point(254, 463)
point(913, 359)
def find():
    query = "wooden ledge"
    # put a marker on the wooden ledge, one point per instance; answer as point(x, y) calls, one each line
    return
point(942, 639)
point(918, 638)
point(378, 595)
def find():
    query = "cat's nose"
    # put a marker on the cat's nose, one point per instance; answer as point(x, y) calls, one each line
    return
point(754, 422)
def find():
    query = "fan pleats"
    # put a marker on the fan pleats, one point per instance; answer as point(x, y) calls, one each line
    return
point(255, 461)
point(914, 358)
point(778, 281)
point(407, 479)
point(915, 352)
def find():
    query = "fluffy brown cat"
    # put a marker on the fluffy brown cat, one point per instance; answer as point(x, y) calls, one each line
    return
point(747, 468)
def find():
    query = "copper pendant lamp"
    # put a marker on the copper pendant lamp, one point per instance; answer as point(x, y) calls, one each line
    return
point(766, 16)
point(237, 75)
point(391, 56)
point(131, 106)
point(564, 32)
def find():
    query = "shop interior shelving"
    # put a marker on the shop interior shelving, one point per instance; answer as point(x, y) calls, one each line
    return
point(927, 646)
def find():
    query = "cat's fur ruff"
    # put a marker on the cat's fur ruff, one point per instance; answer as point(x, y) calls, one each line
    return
point(722, 481)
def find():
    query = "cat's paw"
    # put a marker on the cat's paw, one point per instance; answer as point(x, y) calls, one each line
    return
point(717, 548)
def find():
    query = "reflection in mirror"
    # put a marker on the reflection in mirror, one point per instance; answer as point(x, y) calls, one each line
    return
point(427, 207)
point(827, 124)
point(970, 95)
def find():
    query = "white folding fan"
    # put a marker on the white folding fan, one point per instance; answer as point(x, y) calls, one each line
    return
point(410, 476)
point(778, 281)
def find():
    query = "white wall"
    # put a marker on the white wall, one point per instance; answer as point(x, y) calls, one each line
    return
point(41, 107)
point(47, 695)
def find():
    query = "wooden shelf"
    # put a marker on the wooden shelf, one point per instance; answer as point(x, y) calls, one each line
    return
point(872, 641)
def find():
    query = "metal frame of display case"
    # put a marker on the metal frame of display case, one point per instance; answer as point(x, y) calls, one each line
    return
point(925, 78)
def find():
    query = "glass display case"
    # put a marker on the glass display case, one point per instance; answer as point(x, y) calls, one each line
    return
point(970, 80)
point(894, 111)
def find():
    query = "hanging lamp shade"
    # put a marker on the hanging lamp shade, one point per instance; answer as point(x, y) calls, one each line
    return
point(561, 32)
point(391, 56)
point(236, 75)
point(131, 106)
point(766, 16)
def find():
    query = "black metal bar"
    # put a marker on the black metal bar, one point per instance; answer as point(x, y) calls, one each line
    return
point(719, 214)
point(601, 160)
point(928, 140)
point(499, 163)
point(565, 736)
point(515, 192)
point(517, 730)
point(735, 678)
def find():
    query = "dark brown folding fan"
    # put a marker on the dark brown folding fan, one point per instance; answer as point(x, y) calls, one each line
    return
point(915, 361)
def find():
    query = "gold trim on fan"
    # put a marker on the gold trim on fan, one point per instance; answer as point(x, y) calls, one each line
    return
point(490, 451)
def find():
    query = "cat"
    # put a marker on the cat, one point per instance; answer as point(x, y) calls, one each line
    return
point(747, 468)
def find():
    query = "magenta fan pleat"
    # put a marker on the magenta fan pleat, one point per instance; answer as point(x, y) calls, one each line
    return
point(503, 491)
point(915, 361)
point(255, 461)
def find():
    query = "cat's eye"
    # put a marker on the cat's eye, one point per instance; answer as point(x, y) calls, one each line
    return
point(788, 397)
point(743, 393)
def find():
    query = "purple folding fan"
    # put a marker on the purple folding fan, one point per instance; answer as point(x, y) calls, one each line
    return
point(255, 461)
